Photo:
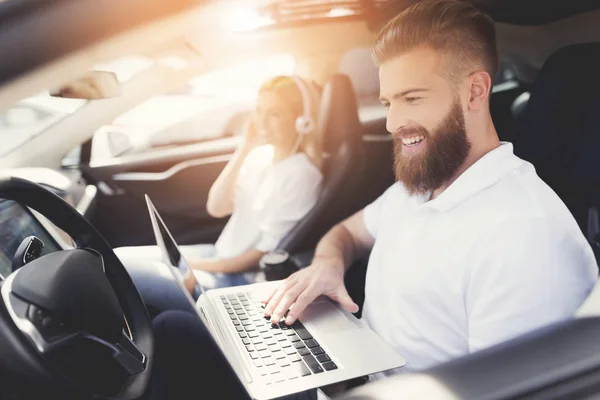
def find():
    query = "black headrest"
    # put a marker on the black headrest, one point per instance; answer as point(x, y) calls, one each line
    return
point(341, 130)
point(559, 132)
point(339, 113)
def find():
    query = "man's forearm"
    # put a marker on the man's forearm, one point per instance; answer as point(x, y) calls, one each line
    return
point(338, 244)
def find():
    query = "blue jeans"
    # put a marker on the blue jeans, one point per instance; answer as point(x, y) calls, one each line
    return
point(213, 280)
point(191, 252)
point(188, 364)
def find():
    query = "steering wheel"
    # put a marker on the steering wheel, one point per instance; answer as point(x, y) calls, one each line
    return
point(72, 322)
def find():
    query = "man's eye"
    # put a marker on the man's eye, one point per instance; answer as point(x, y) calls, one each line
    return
point(385, 105)
point(411, 100)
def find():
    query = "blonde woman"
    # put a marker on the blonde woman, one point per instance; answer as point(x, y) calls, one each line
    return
point(272, 181)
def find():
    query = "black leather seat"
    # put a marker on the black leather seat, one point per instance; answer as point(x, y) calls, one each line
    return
point(343, 165)
point(559, 131)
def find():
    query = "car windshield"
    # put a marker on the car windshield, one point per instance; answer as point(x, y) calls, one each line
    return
point(31, 116)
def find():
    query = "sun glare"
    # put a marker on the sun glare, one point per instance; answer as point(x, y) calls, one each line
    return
point(243, 19)
point(340, 12)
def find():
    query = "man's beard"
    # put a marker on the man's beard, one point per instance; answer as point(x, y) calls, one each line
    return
point(444, 152)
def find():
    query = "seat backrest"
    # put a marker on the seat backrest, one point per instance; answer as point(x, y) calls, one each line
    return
point(341, 132)
point(559, 130)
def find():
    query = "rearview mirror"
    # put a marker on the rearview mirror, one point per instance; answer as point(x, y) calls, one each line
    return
point(92, 86)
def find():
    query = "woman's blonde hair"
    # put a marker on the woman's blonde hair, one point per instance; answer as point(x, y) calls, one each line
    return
point(286, 88)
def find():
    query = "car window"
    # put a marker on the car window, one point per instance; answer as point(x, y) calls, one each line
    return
point(210, 106)
point(31, 116)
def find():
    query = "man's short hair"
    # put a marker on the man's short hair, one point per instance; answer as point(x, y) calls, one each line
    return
point(464, 35)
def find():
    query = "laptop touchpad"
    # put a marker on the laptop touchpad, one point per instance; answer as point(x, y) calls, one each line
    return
point(325, 317)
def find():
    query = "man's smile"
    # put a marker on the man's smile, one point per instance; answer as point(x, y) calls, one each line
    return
point(412, 144)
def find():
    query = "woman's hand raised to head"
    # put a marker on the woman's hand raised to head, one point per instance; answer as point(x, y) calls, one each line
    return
point(252, 137)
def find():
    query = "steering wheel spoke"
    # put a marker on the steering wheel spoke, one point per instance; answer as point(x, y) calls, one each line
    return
point(124, 353)
point(51, 335)
point(129, 356)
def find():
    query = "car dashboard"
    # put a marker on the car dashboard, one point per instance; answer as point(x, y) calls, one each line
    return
point(17, 223)
point(65, 183)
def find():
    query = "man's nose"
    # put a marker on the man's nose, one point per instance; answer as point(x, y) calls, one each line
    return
point(396, 120)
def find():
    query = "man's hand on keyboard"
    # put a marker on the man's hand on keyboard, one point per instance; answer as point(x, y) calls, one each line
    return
point(323, 277)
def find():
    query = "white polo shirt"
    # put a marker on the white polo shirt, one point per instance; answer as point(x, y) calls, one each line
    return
point(497, 254)
point(270, 198)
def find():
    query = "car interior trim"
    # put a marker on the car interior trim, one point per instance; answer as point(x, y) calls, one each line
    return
point(88, 198)
point(158, 176)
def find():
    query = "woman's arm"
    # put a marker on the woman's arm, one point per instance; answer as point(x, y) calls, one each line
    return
point(221, 194)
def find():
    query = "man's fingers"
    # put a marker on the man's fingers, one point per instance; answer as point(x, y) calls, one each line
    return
point(278, 294)
point(266, 298)
point(284, 304)
point(305, 298)
point(283, 286)
point(274, 300)
point(342, 297)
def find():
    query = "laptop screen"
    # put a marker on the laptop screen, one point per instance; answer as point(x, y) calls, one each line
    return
point(171, 253)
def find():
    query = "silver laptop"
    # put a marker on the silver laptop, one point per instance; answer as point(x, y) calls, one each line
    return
point(327, 344)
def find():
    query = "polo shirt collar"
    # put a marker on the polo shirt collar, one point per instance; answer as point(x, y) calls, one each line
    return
point(484, 173)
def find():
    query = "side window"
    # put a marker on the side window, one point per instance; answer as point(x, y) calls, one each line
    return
point(211, 106)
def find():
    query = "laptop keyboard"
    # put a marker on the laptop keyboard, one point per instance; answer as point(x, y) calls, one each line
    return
point(280, 352)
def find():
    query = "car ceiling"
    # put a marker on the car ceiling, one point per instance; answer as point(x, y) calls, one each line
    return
point(534, 12)
point(26, 22)
point(377, 12)
point(215, 47)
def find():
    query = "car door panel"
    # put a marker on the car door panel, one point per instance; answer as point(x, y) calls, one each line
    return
point(190, 178)
point(177, 180)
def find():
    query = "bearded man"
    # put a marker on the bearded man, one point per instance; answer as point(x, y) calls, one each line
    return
point(469, 247)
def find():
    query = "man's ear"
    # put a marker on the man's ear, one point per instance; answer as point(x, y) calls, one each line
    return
point(480, 87)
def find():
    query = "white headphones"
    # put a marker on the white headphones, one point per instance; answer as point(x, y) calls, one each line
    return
point(304, 123)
